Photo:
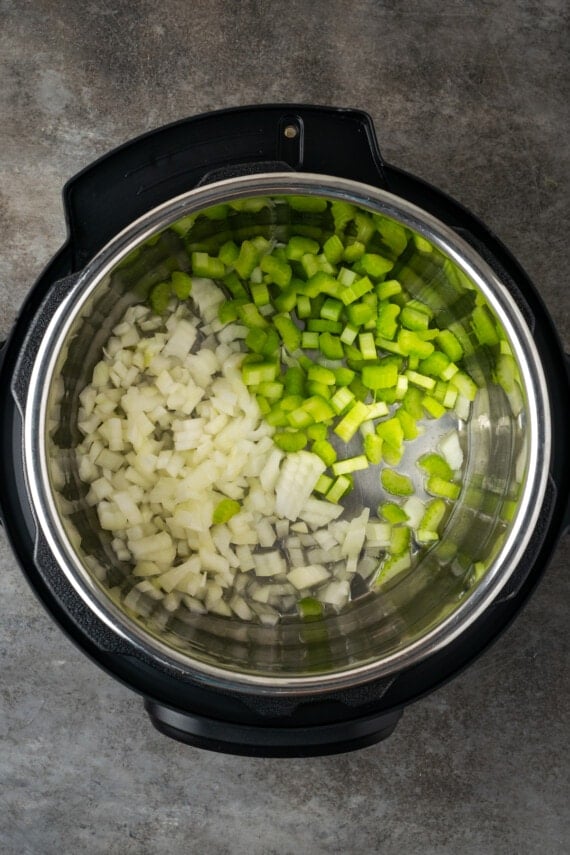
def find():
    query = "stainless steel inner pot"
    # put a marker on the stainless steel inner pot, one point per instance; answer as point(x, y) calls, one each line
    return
point(507, 458)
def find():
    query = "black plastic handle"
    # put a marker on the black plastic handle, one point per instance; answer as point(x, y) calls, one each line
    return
point(252, 741)
point(138, 176)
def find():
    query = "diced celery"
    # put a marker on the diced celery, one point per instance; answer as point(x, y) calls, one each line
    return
point(373, 448)
point(288, 441)
point(437, 486)
point(228, 252)
point(353, 251)
point(408, 422)
point(250, 315)
point(309, 340)
point(382, 375)
point(433, 407)
point(326, 452)
point(420, 380)
point(447, 341)
point(247, 259)
point(205, 265)
point(341, 485)
point(323, 484)
point(298, 246)
point(413, 319)
point(396, 483)
point(350, 423)
point(375, 265)
point(434, 464)
point(387, 289)
point(317, 432)
point(413, 345)
point(330, 346)
point(259, 293)
point(386, 324)
point(341, 399)
point(225, 510)
point(333, 249)
point(392, 513)
point(433, 516)
point(181, 284)
point(278, 271)
point(367, 346)
point(400, 539)
point(350, 464)
point(159, 297)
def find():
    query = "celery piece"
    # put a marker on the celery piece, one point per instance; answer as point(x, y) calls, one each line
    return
point(343, 376)
point(159, 297)
point(286, 300)
point(396, 483)
point(364, 226)
point(303, 307)
point(323, 484)
point(351, 421)
point(294, 380)
point(299, 246)
point(357, 289)
point(506, 371)
point(389, 346)
point(392, 512)
point(259, 293)
point(272, 342)
point(433, 407)
point(321, 283)
point(290, 334)
point(317, 432)
point(254, 373)
point(377, 410)
point(225, 510)
point(413, 319)
point(299, 418)
point(279, 272)
point(270, 389)
point(181, 284)
point(342, 213)
point(228, 311)
point(392, 454)
point(308, 204)
point(340, 486)
point(434, 464)
point(437, 486)
point(433, 515)
point(393, 234)
point(288, 441)
point(373, 448)
point(253, 205)
point(408, 422)
point(184, 225)
point(235, 287)
point(386, 323)
point(382, 375)
point(309, 340)
point(392, 567)
point(247, 259)
point(263, 404)
point(358, 389)
point(205, 265)
point(434, 364)
point(321, 325)
point(320, 374)
point(399, 539)
point(412, 402)
point(391, 431)
point(330, 346)
point(360, 313)
point(291, 402)
point(250, 315)
point(331, 309)
point(349, 334)
point(412, 344)
point(228, 252)
point(449, 344)
point(277, 417)
point(321, 389)
point(350, 464)
point(401, 387)
point(375, 265)
point(256, 339)
point(323, 449)
point(333, 249)
point(367, 346)
point(388, 288)
point(346, 276)
point(310, 608)
point(319, 408)
point(421, 380)
point(464, 385)
point(353, 251)
point(484, 326)
point(341, 399)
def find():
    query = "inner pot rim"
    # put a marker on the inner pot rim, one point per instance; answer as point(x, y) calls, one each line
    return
point(461, 253)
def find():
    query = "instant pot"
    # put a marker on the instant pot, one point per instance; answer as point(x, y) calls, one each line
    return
point(301, 687)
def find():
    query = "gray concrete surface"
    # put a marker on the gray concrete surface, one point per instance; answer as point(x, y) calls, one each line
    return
point(471, 96)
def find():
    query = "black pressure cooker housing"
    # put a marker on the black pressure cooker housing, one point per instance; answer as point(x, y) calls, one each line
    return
point(100, 202)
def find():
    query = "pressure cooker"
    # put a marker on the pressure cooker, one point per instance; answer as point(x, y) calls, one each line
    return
point(314, 680)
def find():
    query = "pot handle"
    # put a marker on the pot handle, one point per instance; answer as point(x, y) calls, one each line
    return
point(138, 176)
point(267, 741)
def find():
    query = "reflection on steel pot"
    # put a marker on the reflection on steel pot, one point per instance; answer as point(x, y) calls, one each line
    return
point(282, 432)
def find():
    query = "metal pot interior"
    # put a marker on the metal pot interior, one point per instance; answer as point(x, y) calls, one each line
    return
point(505, 443)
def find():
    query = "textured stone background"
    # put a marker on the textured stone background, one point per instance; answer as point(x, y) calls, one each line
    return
point(472, 96)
